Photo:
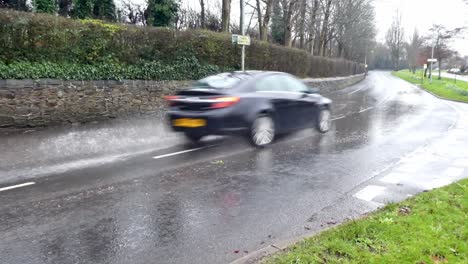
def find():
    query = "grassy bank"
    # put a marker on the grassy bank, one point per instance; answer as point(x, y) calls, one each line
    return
point(428, 228)
point(446, 87)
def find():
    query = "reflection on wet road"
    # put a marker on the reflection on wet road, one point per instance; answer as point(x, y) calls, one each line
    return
point(215, 204)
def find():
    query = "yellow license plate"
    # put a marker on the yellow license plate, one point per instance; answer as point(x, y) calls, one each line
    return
point(189, 122)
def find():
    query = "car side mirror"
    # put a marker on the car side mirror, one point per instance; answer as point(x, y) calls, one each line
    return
point(313, 90)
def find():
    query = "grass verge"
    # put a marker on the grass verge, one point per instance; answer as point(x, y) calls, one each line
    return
point(446, 87)
point(428, 228)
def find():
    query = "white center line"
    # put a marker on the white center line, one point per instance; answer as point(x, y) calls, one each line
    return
point(179, 152)
point(16, 186)
point(356, 90)
point(369, 192)
point(367, 109)
point(338, 117)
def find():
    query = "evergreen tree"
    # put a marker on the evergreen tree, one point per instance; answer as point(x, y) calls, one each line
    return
point(45, 6)
point(161, 13)
point(65, 7)
point(105, 10)
point(277, 24)
point(83, 9)
point(15, 4)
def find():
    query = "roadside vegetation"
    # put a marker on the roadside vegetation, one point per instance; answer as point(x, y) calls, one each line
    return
point(34, 45)
point(428, 228)
point(445, 87)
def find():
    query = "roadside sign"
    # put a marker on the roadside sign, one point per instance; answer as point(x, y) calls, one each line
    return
point(240, 40)
point(234, 38)
point(425, 66)
point(431, 60)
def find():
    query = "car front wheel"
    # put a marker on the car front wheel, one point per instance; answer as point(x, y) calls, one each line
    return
point(323, 120)
point(263, 131)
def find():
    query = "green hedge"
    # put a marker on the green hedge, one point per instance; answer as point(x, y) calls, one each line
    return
point(39, 38)
point(181, 70)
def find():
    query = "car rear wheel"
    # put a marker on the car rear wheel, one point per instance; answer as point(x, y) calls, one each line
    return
point(263, 131)
point(323, 120)
point(193, 137)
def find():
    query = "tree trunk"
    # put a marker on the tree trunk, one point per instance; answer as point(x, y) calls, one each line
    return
point(259, 16)
point(440, 63)
point(225, 16)
point(287, 15)
point(324, 31)
point(313, 22)
point(266, 19)
point(202, 6)
point(302, 24)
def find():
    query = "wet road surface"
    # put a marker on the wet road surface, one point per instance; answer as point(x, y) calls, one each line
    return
point(226, 199)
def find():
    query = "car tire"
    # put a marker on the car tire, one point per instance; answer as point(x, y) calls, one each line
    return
point(262, 132)
point(193, 137)
point(323, 120)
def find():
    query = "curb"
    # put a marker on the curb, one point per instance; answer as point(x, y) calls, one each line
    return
point(435, 95)
point(256, 256)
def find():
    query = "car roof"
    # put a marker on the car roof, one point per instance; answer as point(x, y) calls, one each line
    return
point(251, 73)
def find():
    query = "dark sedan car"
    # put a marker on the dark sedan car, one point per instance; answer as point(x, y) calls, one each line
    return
point(257, 104)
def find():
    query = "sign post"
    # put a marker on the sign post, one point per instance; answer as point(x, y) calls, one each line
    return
point(431, 61)
point(422, 73)
point(242, 33)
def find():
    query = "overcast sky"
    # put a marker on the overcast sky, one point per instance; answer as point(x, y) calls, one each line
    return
point(420, 14)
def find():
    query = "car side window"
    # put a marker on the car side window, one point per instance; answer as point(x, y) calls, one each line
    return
point(294, 85)
point(270, 83)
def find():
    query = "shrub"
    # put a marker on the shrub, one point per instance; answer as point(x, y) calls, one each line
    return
point(39, 38)
point(187, 69)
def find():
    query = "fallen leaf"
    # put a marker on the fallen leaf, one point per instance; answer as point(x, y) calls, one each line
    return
point(307, 227)
point(404, 210)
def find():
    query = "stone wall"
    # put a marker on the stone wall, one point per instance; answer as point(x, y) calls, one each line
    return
point(31, 103)
point(327, 85)
point(46, 102)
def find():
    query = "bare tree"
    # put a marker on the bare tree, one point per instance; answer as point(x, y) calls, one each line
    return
point(302, 21)
point(413, 49)
point(394, 40)
point(288, 11)
point(133, 13)
point(264, 19)
point(441, 36)
point(313, 26)
point(324, 30)
point(226, 15)
point(202, 13)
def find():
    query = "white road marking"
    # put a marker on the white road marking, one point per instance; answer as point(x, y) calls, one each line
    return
point(461, 163)
point(367, 109)
point(338, 117)
point(179, 152)
point(453, 172)
point(393, 178)
point(356, 90)
point(369, 192)
point(16, 186)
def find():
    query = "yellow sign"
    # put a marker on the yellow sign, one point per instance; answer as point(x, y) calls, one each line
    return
point(241, 40)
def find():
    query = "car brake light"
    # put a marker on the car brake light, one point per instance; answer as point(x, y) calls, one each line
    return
point(223, 102)
point(170, 99)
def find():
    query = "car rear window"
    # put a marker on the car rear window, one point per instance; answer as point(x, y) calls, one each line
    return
point(220, 81)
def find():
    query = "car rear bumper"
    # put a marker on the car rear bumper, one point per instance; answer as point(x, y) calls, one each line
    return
point(218, 122)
